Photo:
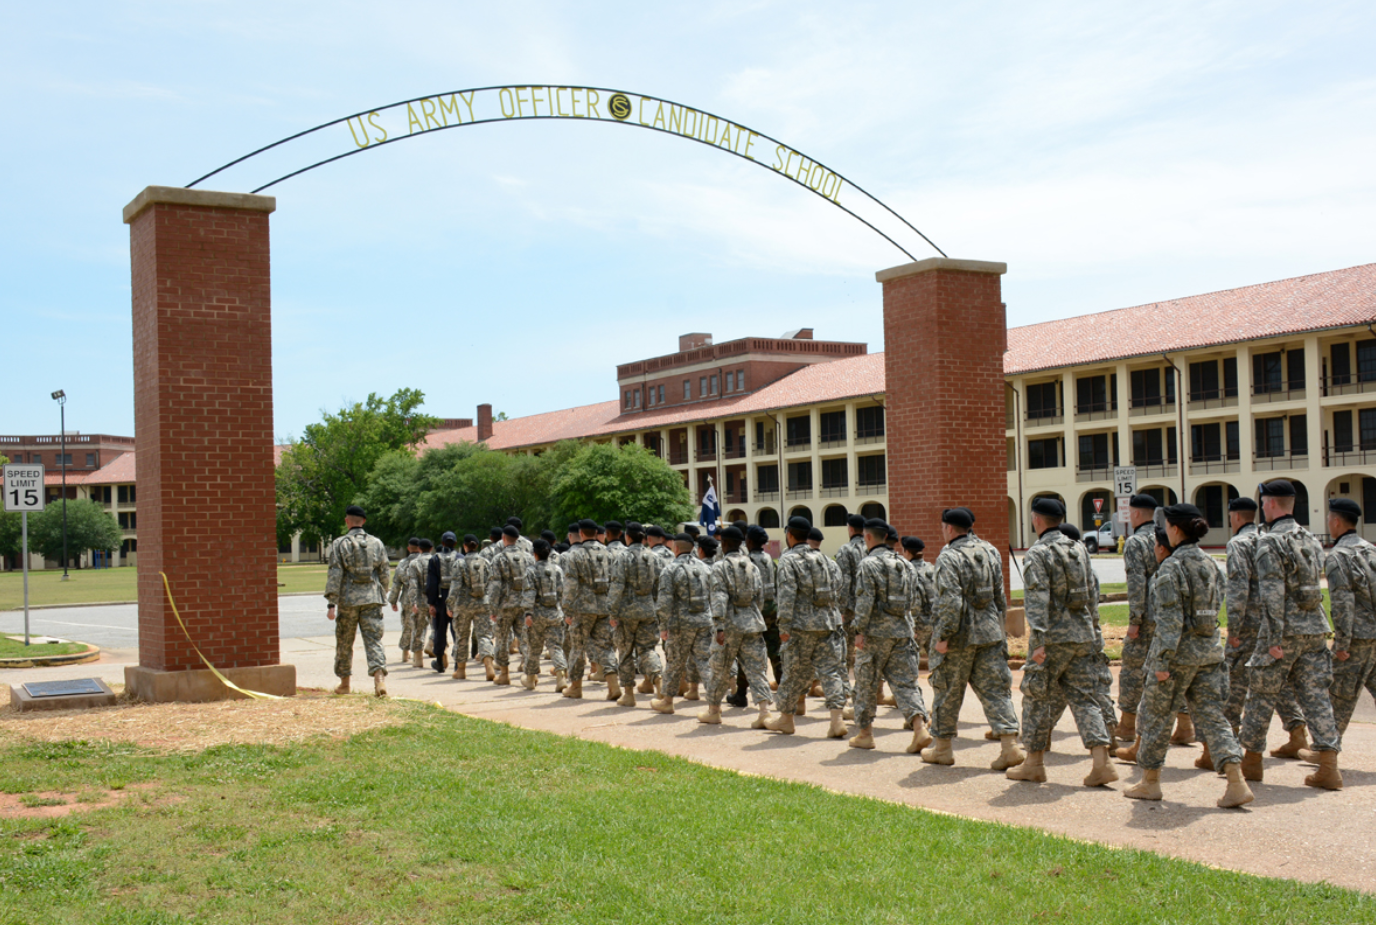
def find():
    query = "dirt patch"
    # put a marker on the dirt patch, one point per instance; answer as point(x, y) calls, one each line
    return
point(52, 804)
point(196, 726)
point(1113, 638)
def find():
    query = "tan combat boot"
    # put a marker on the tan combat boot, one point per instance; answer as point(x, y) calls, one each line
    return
point(759, 721)
point(801, 708)
point(504, 678)
point(1238, 793)
point(939, 753)
point(646, 686)
point(515, 647)
point(711, 716)
point(659, 685)
point(343, 687)
point(1251, 766)
point(614, 688)
point(692, 692)
point(1298, 741)
point(1010, 756)
point(1184, 730)
point(1205, 762)
point(837, 729)
point(1308, 756)
point(1102, 772)
point(418, 659)
point(886, 700)
point(574, 690)
point(380, 683)
point(1127, 727)
point(488, 662)
point(405, 656)
point(864, 739)
point(1148, 788)
point(1327, 776)
point(460, 671)
point(816, 690)
point(429, 650)
point(682, 687)
point(991, 735)
point(1129, 753)
point(922, 737)
point(561, 681)
point(627, 698)
point(1031, 769)
point(849, 712)
point(595, 670)
point(781, 723)
point(530, 682)
point(660, 704)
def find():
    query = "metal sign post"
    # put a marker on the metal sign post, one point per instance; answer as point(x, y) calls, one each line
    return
point(24, 493)
point(1124, 486)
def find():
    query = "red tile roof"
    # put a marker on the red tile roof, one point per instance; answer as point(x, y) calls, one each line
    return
point(120, 471)
point(1287, 306)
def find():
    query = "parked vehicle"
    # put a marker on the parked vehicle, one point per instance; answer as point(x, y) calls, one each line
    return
point(1103, 539)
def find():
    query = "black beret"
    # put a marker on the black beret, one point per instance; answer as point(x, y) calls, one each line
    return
point(548, 536)
point(958, 517)
point(1049, 507)
point(707, 543)
point(573, 527)
point(413, 541)
point(1277, 488)
point(799, 523)
point(913, 543)
point(656, 531)
point(856, 521)
point(1070, 530)
point(470, 538)
point(634, 527)
point(354, 510)
point(448, 536)
point(1181, 513)
point(1246, 505)
point(893, 534)
point(683, 538)
point(740, 525)
point(561, 547)
point(969, 513)
point(691, 529)
point(515, 522)
point(600, 528)
point(587, 526)
point(875, 525)
point(614, 525)
point(815, 534)
point(1345, 507)
point(733, 532)
point(540, 545)
point(426, 544)
point(758, 533)
point(494, 532)
point(1143, 501)
point(510, 531)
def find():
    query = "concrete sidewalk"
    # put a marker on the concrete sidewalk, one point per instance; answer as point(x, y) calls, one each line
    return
point(1290, 831)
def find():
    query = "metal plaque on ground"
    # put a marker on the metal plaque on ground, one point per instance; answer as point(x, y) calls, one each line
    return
point(63, 688)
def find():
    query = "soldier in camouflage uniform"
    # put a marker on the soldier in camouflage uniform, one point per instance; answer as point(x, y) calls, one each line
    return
point(401, 591)
point(635, 578)
point(1063, 647)
point(587, 583)
point(506, 585)
point(470, 610)
point(684, 602)
point(657, 541)
point(1244, 616)
point(356, 586)
point(527, 546)
point(1290, 638)
point(1351, 569)
point(756, 539)
point(1185, 664)
point(419, 616)
point(1103, 690)
point(809, 625)
point(921, 592)
point(544, 586)
point(848, 562)
point(969, 642)
point(884, 647)
point(737, 595)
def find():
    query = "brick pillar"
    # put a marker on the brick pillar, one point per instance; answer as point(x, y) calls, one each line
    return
point(204, 439)
point(484, 423)
point(944, 339)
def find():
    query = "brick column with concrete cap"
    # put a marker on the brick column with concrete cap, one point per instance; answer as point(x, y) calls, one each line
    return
point(204, 438)
point(944, 340)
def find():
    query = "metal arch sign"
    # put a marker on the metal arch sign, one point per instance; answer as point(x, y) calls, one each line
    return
point(374, 128)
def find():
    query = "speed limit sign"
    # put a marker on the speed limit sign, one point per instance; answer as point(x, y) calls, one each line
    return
point(23, 487)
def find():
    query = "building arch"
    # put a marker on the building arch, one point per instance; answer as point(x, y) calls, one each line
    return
point(735, 514)
point(834, 515)
point(768, 518)
point(801, 510)
point(873, 509)
point(1355, 487)
point(1163, 494)
point(1087, 513)
point(1212, 499)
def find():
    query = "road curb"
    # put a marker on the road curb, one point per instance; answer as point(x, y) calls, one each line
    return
point(91, 654)
point(117, 603)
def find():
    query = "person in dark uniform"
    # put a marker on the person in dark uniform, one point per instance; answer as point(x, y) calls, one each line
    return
point(437, 594)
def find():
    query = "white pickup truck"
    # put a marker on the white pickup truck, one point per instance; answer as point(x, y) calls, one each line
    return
point(1103, 539)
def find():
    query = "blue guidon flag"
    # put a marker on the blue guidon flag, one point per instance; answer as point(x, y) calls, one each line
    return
point(711, 510)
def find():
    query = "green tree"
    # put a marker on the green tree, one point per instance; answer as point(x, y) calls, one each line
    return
point(89, 526)
point(330, 466)
point(603, 482)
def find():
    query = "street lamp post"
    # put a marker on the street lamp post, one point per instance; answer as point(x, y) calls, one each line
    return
point(61, 398)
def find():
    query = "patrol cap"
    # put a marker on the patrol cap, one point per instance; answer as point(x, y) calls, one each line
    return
point(1182, 513)
point(1245, 505)
point(354, 510)
point(733, 532)
point(913, 543)
point(613, 526)
point(1345, 508)
point(855, 521)
point(448, 537)
point(799, 523)
point(656, 531)
point(425, 544)
point(413, 541)
point(815, 534)
point(691, 529)
point(708, 544)
point(470, 538)
point(1070, 530)
point(1144, 501)
point(510, 531)
point(960, 517)
point(587, 526)
point(548, 536)
point(1277, 488)
point(1049, 507)
point(683, 538)
point(515, 521)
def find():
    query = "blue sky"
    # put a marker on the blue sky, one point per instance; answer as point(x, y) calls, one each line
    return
point(1111, 154)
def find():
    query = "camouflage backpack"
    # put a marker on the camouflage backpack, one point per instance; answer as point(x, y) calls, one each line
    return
point(472, 575)
point(981, 588)
point(641, 563)
point(741, 588)
point(696, 586)
point(1074, 574)
point(545, 594)
point(817, 578)
point(599, 568)
point(449, 564)
point(514, 567)
point(358, 557)
point(1206, 595)
point(1303, 563)
point(1363, 577)
point(893, 591)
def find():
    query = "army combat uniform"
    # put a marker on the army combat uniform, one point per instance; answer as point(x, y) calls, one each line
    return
point(1351, 569)
point(770, 610)
point(737, 596)
point(469, 607)
point(848, 563)
point(809, 618)
point(1243, 617)
point(684, 603)
point(421, 623)
point(356, 585)
point(881, 619)
point(631, 603)
point(544, 586)
point(922, 605)
point(587, 582)
point(506, 585)
point(1139, 565)
point(401, 591)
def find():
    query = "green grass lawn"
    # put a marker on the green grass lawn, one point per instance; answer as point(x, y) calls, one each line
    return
point(91, 586)
point(13, 647)
point(451, 819)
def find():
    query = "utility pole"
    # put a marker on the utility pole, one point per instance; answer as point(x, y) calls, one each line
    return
point(61, 398)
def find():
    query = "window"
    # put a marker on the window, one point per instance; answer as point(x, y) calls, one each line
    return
point(1294, 369)
point(1270, 437)
point(129, 520)
point(869, 422)
point(687, 389)
point(1212, 501)
point(740, 380)
point(834, 474)
point(1340, 363)
point(713, 385)
point(1299, 435)
point(1169, 373)
point(800, 475)
point(1342, 431)
point(799, 430)
point(125, 494)
point(628, 399)
point(766, 479)
point(872, 470)
point(101, 494)
point(1092, 394)
point(1147, 448)
point(768, 518)
point(64, 459)
point(1206, 443)
point(707, 441)
point(1204, 380)
point(1094, 452)
point(128, 546)
point(1366, 360)
point(727, 383)
point(1043, 454)
point(702, 386)
point(1231, 436)
point(1266, 373)
point(1366, 428)
point(1230, 377)
point(637, 398)
point(1041, 401)
point(661, 395)
point(90, 460)
point(834, 516)
point(832, 425)
point(1146, 388)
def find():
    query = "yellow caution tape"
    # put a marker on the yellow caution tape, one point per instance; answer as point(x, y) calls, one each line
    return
point(213, 670)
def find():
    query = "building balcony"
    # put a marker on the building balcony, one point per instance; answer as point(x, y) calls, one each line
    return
point(873, 436)
point(1142, 407)
point(1351, 384)
point(798, 446)
point(1213, 398)
point(1094, 474)
point(764, 448)
point(1045, 417)
point(831, 443)
point(872, 488)
point(1352, 456)
point(735, 451)
point(834, 491)
point(706, 455)
point(1096, 411)
point(1214, 465)
point(1281, 461)
point(678, 457)
point(735, 497)
point(1272, 392)
point(1155, 469)
point(799, 494)
point(767, 497)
